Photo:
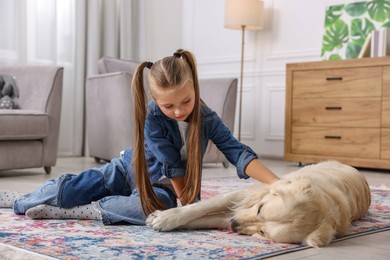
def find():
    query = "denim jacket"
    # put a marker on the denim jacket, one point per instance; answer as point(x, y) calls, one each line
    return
point(163, 143)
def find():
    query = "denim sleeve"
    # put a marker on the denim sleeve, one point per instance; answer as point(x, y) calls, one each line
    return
point(161, 144)
point(237, 153)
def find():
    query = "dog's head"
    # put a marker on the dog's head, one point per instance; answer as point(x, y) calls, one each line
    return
point(287, 212)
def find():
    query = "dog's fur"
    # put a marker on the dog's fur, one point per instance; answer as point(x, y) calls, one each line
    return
point(309, 206)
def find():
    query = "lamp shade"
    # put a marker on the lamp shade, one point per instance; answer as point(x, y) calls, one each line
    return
point(248, 13)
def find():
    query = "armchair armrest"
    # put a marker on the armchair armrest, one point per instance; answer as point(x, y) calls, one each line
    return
point(110, 114)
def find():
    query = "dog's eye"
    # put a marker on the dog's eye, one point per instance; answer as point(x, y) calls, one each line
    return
point(258, 211)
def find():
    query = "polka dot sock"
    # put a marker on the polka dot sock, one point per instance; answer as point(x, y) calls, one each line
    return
point(7, 198)
point(50, 212)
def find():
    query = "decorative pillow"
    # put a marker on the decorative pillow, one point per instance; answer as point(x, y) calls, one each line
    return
point(9, 91)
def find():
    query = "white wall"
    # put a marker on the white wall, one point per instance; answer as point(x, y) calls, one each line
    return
point(293, 33)
point(163, 28)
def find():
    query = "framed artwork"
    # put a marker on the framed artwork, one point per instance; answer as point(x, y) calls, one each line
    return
point(347, 27)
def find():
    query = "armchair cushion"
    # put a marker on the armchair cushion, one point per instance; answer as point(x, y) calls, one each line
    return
point(23, 124)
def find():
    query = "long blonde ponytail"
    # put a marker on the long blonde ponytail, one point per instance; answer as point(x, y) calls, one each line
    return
point(193, 176)
point(149, 200)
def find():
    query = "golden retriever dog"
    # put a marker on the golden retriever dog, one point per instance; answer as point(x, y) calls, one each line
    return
point(309, 206)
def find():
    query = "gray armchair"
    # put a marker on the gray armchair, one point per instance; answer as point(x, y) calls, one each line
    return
point(29, 134)
point(109, 115)
point(109, 109)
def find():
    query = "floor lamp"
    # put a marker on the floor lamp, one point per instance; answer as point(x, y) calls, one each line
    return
point(243, 15)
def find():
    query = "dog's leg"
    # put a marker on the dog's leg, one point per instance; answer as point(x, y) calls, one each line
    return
point(217, 221)
point(171, 219)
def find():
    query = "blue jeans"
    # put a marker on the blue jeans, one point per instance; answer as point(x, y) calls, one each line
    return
point(107, 186)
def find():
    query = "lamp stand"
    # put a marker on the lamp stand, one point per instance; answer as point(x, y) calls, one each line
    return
point(241, 79)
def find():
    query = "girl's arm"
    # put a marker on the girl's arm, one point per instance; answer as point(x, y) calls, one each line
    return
point(260, 172)
point(178, 186)
point(237, 153)
point(255, 169)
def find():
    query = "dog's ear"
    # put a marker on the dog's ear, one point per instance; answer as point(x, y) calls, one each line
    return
point(321, 236)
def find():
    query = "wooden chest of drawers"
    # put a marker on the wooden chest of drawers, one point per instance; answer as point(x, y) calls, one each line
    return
point(339, 110)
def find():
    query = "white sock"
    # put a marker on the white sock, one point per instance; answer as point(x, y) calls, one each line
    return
point(7, 198)
point(50, 212)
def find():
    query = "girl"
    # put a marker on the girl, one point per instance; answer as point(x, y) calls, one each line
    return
point(171, 135)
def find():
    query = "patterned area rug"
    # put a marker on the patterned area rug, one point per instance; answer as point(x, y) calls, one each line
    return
point(71, 239)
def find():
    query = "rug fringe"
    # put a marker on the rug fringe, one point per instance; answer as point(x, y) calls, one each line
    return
point(9, 252)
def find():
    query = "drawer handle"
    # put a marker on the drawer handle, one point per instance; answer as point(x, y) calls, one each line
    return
point(334, 78)
point(332, 137)
point(333, 108)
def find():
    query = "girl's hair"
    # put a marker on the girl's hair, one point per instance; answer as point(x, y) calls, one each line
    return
point(167, 73)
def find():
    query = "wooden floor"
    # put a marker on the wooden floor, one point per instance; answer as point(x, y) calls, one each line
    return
point(375, 246)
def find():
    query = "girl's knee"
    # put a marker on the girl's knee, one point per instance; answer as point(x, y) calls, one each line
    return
point(81, 189)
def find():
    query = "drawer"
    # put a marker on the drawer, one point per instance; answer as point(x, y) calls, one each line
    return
point(349, 82)
point(344, 112)
point(328, 141)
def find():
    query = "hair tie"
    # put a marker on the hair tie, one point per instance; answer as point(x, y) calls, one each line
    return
point(177, 55)
point(149, 65)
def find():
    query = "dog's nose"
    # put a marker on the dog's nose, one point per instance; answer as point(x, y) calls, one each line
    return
point(233, 225)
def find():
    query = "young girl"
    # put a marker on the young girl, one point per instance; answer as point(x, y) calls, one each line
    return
point(171, 135)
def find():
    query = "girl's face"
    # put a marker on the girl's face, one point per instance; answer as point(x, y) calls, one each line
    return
point(176, 103)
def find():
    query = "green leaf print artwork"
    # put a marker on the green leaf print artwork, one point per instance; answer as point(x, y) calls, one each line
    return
point(333, 14)
point(347, 27)
point(335, 36)
point(359, 31)
point(386, 25)
point(379, 10)
point(356, 9)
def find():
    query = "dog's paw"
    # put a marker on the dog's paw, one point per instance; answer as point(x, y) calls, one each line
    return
point(259, 236)
point(152, 217)
point(165, 220)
